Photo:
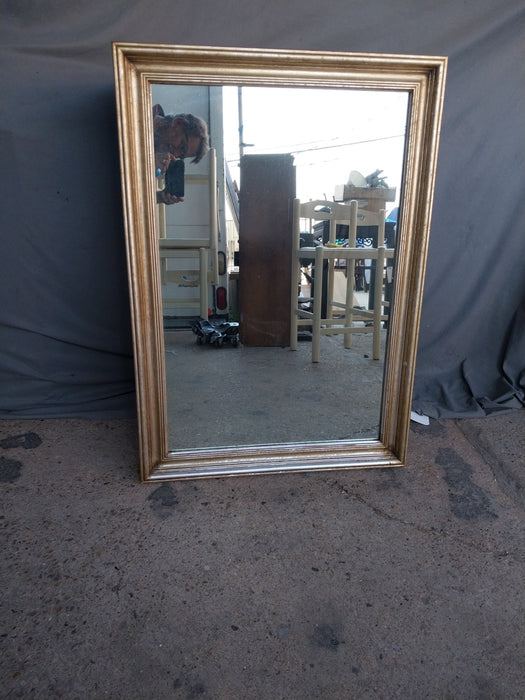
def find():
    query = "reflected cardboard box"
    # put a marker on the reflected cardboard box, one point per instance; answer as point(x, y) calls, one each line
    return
point(371, 198)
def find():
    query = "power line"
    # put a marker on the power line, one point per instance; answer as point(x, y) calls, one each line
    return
point(284, 149)
point(351, 143)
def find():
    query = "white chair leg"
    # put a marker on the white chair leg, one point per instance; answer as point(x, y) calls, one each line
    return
point(378, 303)
point(316, 320)
point(349, 301)
point(203, 264)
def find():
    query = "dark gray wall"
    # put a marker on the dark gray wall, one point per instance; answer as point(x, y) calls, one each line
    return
point(65, 336)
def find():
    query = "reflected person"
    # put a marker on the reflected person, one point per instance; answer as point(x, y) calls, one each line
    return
point(177, 136)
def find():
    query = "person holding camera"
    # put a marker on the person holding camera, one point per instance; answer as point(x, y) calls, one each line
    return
point(175, 137)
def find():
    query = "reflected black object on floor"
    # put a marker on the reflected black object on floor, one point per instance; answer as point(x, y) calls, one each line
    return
point(216, 333)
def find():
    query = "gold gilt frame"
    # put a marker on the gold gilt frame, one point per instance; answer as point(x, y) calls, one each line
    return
point(137, 67)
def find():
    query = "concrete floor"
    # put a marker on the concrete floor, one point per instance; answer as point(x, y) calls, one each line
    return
point(401, 583)
point(290, 398)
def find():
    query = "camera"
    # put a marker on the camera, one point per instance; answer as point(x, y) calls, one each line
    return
point(174, 178)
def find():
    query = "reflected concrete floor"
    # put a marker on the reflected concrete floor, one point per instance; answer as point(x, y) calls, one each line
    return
point(252, 395)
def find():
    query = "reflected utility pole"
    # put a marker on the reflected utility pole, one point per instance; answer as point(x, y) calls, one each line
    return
point(241, 124)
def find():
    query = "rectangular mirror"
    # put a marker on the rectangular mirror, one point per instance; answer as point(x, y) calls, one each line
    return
point(277, 211)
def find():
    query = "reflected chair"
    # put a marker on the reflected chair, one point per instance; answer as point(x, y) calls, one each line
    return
point(329, 316)
point(196, 259)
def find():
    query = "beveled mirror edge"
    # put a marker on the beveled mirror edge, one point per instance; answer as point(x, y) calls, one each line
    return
point(137, 66)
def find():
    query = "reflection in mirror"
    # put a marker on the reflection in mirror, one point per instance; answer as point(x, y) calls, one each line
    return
point(229, 257)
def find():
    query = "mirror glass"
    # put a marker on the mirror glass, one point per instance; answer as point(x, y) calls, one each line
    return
point(277, 212)
point(248, 393)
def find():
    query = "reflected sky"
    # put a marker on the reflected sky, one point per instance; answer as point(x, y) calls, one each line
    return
point(331, 133)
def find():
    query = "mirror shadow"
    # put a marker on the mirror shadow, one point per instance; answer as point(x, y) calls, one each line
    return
point(240, 384)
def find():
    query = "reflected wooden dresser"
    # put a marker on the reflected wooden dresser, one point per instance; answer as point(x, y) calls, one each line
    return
point(265, 249)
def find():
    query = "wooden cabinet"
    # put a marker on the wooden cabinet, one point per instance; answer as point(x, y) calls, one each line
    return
point(265, 249)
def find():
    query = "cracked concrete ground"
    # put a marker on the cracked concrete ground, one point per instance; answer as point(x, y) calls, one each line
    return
point(400, 583)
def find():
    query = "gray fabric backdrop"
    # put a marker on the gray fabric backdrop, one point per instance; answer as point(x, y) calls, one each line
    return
point(65, 336)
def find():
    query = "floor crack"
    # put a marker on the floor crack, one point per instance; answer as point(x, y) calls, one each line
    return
point(440, 533)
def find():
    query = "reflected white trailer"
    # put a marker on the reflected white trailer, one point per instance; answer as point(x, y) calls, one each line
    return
point(193, 239)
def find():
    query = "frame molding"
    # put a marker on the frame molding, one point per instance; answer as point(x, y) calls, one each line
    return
point(136, 68)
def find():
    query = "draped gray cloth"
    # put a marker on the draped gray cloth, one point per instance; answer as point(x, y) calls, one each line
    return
point(65, 339)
